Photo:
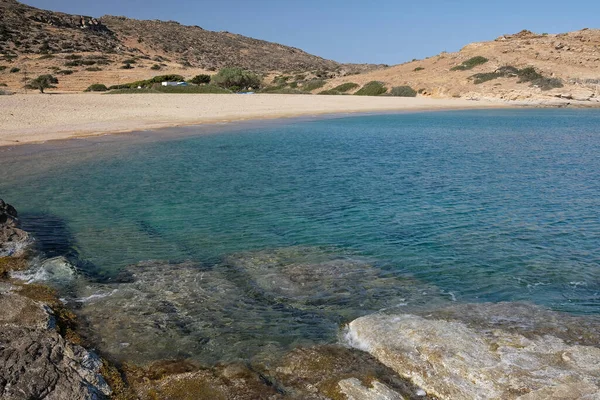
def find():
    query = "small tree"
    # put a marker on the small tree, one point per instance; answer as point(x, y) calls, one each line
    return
point(42, 82)
point(200, 79)
point(236, 77)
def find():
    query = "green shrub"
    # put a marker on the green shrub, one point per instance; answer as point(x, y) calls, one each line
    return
point(3, 84)
point(46, 57)
point(5, 92)
point(126, 66)
point(313, 85)
point(403, 91)
point(200, 79)
point(418, 69)
point(97, 87)
point(14, 70)
point(529, 74)
point(373, 88)
point(204, 89)
point(294, 85)
point(331, 92)
point(236, 77)
point(155, 67)
point(3, 67)
point(346, 87)
point(470, 64)
point(148, 82)
point(65, 72)
point(72, 63)
point(93, 69)
point(73, 57)
point(280, 90)
point(129, 61)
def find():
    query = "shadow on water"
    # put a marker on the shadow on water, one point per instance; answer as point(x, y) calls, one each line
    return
point(52, 234)
point(54, 238)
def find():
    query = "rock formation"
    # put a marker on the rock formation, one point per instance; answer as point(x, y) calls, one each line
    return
point(36, 361)
point(13, 240)
point(486, 351)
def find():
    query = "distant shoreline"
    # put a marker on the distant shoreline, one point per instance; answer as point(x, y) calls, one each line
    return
point(41, 118)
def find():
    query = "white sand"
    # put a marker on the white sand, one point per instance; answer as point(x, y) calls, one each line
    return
point(38, 118)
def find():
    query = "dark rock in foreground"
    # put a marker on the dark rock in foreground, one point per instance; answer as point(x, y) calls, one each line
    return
point(13, 240)
point(36, 362)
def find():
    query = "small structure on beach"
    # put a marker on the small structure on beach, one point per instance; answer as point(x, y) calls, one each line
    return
point(174, 84)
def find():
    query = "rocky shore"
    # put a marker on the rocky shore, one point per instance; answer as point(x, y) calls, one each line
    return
point(189, 331)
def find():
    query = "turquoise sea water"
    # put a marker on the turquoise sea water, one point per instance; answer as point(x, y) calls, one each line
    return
point(485, 205)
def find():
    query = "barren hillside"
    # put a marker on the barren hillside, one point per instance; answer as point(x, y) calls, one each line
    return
point(568, 59)
point(82, 50)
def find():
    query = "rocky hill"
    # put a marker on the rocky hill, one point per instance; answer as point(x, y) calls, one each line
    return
point(112, 50)
point(521, 67)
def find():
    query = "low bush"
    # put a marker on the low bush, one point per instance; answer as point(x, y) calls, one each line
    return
point(346, 87)
point(148, 82)
point(526, 75)
point(155, 67)
point(403, 91)
point(73, 57)
point(278, 90)
point(65, 72)
point(5, 92)
point(331, 92)
point(46, 57)
point(418, 69)
point(470, 64)
point(200, 79)
point(313, 85)
point(3, 67)
point(14, 70)
point(97, 87)
point(126, 66)
point(129, 61)
point(204, 89)
point(93, 69)
point(373, 88)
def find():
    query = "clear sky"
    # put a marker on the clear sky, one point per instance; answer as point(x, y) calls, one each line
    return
point(372, 31)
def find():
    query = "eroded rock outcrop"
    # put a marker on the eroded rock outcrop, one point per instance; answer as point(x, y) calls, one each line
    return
point(13, 240)
point(500, 351)
point(36, 362)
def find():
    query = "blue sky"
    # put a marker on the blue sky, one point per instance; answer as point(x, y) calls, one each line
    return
point(375, 31)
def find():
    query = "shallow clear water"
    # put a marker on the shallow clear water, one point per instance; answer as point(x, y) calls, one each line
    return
point(484, 205)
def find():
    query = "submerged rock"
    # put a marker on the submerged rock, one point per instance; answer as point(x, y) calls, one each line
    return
point(316, 279)
point(336, 372)
point(13, 240)
point(186, 311)
point(36, 361)
point(253, 306)
point(487, 352)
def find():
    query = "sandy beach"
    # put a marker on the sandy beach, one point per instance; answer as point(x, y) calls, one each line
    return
point(38, 118)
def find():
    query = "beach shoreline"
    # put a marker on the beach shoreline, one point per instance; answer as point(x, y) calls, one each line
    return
point(27, 119)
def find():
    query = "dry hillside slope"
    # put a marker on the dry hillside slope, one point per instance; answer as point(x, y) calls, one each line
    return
point(568, 59)
point(82, 50)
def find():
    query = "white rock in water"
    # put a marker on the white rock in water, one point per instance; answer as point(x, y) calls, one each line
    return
point(454, 361)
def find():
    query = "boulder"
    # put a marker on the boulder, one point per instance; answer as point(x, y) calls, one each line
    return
point(492, 353)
